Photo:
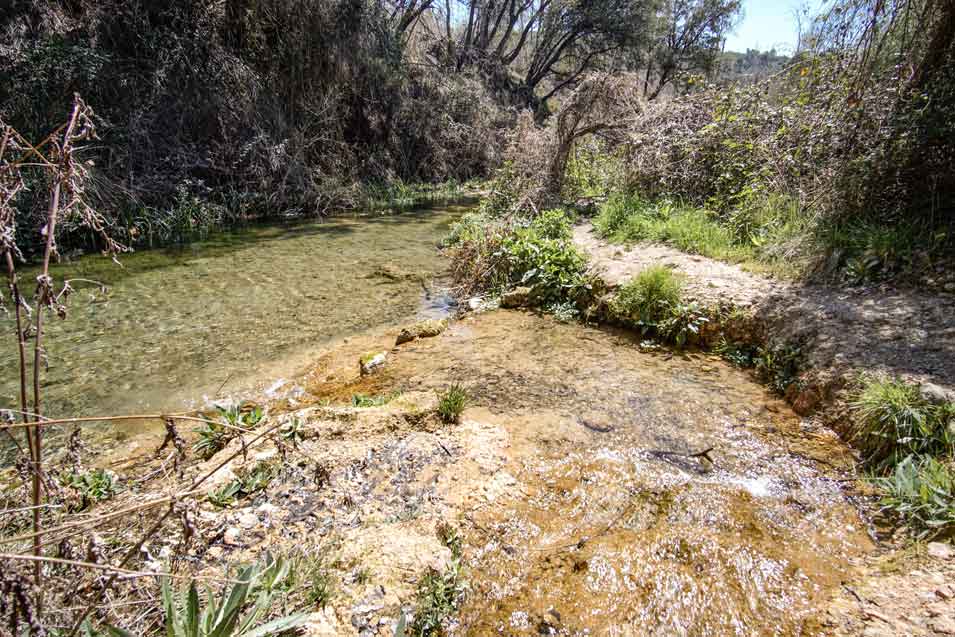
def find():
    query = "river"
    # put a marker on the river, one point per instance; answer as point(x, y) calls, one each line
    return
point(177, 326)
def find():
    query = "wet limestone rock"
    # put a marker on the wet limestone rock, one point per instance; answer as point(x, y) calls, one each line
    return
point(371, 362)
point(518, 297)
point(423, 329)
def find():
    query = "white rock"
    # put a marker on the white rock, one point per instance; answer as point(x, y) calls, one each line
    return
point(941, 551)
point(232, 535)
point(248, 520)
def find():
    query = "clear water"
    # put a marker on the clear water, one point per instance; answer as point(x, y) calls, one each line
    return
point(179, 324)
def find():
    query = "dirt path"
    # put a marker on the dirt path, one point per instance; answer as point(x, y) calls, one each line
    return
point(878, 329)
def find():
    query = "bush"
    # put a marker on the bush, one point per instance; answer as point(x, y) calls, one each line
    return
point(893, 421)
point(649, 297)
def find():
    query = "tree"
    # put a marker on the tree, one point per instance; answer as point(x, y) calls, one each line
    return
point(687, 37)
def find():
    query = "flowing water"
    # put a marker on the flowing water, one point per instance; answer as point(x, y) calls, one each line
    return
point(176, 325)
point(601, 520)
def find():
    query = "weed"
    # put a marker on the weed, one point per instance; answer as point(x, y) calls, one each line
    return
point(363, 400)
point(778, 365)
point(451, 403)
point(214, 436)
point(683, 323)
point(223, 615)
point(893, 421)
point(552, 266)
point(739, 354)
point(565, 312)
point(292, 431)
point(246, 482)
point(317, 580)
point(439, 596)
point(92, 486)
point(921, 491)
point(649, 297)
point(451, 538)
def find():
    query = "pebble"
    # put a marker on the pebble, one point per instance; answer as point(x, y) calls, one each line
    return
point(232, 535)
point(941, 551)
point(248, 520)
point(944, 625)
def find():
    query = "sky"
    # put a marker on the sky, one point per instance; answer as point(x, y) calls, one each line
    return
point(766, 24)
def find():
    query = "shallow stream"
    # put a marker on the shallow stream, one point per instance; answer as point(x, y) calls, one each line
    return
point(216, 317)
point(598, 513)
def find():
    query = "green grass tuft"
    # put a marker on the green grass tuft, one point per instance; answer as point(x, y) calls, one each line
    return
point(451, 403)
point(893, 421)
point(649, 297)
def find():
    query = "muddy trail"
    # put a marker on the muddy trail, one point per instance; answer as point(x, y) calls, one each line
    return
point(602, 489)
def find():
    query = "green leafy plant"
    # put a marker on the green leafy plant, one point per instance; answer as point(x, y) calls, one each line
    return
point(778, 365)
point(246, 482)
point(739, 354)
point(565, 312)
point(92, 486)
point(649, 298)
point(683, 323)
point(214, 436)
point(451, 403)
point(363, 400)
point(921, 491)
point(438, 598)
point(542, 255)
point(237, 612)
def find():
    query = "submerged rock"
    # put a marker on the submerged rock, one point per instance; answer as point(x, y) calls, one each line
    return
point(371, 362)
point(518, 297)
point(423, 329)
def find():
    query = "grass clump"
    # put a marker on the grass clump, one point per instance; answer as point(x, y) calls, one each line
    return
point(650, 296)
point(629, 219)
point(908, 442)
point(894, 421)
point(451, 403)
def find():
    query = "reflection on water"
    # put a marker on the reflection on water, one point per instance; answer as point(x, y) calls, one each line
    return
point(610, 525)
point(177, 324)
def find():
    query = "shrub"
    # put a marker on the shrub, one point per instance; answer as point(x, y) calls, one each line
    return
point(542, 255)
point(921, 491)
point(451, 403)
point(649, 297)
point(893, 421)
point(683, 323)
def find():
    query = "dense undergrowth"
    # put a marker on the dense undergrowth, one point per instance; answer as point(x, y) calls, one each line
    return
point(210, 114)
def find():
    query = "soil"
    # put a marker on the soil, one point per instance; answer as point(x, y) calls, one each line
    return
point(900, 332)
